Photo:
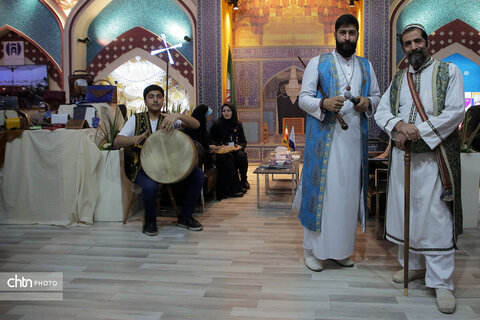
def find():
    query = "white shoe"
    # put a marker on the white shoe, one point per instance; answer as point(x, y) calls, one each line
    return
point(347, 262)
point(313, 263)
point(445, 300)
point(412, 275)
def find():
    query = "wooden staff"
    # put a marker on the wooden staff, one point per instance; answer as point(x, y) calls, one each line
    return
point(342, 122)
point(406, 227)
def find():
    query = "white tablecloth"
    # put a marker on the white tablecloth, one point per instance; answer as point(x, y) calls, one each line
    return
point(60, 177)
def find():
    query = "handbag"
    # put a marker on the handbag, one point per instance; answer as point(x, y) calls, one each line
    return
point(101, 93)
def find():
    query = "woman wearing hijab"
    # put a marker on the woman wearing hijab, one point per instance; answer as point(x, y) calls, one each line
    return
point(200, 135)
point(228, 131)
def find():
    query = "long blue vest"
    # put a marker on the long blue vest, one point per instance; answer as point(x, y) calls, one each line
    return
point(318, 139)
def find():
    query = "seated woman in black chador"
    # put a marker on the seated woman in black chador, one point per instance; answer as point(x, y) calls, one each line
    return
point(200, 135)
point(228, 131)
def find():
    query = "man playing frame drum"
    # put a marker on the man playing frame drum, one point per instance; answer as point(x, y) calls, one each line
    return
point(136, 130)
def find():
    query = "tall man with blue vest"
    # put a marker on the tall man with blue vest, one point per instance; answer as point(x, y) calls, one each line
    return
point(335, 173)
point(424, 105)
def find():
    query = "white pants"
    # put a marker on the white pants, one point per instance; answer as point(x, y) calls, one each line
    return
point(439, 267)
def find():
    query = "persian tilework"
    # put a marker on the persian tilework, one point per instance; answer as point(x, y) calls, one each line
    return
point(251, 125)
point(269, 117)
point(269, 105)
point(247, 84)
point(209, 55)
point(435, 14)
point(376, 39)
point(34, 54)
point(138, 38)
point(271, 68)
point(253, 153)
point(33, 19)
point(159, 16)
point(454, 32)
point(252, 131)
point(376, 48)
point(263, 53)
point(307, 53)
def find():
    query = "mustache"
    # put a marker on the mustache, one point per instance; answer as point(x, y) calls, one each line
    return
point(416, 57)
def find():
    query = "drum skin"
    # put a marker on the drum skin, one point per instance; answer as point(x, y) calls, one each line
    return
point(168, 156)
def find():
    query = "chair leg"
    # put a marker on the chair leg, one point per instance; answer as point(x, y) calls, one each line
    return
point(172, 199)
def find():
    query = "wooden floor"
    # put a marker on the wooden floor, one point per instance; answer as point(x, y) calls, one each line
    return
point(246, 264)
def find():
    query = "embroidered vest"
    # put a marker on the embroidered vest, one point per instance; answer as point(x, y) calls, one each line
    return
point(450, 146)
point(318, 139)
point(142, 124)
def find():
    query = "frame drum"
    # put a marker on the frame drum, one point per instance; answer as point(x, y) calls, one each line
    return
point(168, 156)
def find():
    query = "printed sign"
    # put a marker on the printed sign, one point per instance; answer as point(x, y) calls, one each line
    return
point(13, 53)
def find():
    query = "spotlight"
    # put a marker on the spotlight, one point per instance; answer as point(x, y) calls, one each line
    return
point(235, 4)
point(187, 38)
point(84, 40)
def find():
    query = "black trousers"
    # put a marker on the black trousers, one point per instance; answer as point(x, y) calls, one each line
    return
point(229, 166)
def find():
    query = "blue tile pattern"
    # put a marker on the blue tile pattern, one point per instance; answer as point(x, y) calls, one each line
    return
point(119, 16)
point(209, 54)
point(433, 14)
point(34, 20)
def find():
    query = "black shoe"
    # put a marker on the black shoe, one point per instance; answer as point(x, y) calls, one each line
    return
point(189, 223)
point(238, 194)
point(150, 229)
point(245, 185)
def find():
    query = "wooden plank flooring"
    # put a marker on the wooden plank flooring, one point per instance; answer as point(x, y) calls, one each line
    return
point(246, 264)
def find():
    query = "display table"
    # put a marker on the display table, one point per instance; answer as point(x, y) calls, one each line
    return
point(265, 169)
point(60, 177)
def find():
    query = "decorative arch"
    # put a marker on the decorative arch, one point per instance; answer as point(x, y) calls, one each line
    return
point(162, 63)
point(431, 13)
point(271, 109)
point(146, 41)
point(81, 17)
point(454, 37)
point(33, 52)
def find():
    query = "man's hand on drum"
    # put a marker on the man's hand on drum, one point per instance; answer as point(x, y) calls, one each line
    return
point(140, 138)
point(237, 148)
point(169, 120)
point(214, 147)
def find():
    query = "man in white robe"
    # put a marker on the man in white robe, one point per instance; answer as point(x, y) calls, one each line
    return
point(433, 227)
point(330, 225)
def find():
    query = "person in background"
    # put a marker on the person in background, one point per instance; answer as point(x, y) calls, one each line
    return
point(227, 131)
point(200, 135)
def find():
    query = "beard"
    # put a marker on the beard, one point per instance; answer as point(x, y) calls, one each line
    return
point(347, 48)
point(417, 58)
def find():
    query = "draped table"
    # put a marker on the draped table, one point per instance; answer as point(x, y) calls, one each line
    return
point(60, 177)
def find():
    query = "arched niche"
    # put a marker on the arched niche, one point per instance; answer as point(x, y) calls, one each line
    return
point(175, 77)
point(276, 102)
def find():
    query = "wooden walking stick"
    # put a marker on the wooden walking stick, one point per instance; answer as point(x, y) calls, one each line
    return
point(406, 227)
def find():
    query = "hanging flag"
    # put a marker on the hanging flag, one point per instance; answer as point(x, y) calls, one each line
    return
point(291, 140)
point(285, 138)
point(230, 94)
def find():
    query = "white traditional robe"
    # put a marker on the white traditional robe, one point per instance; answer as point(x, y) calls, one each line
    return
point(431, 221)
point(343, 201)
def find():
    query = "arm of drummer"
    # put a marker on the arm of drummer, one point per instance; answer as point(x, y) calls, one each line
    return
point(125, 141)
point(169, 120)
point(126, 137)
